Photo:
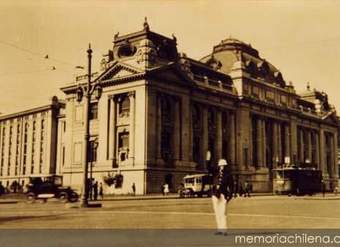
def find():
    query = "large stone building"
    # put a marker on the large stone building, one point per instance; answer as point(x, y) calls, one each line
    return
point(161, 112)
point(28, 144)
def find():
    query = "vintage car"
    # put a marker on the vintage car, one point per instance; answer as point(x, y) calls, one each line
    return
point(196, 185)
point(49, 187)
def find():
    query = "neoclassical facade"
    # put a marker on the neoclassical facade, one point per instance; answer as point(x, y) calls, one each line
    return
point(28, 144)
point(162, 113)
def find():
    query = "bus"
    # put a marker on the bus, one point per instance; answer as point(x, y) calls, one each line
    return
point(297, 181)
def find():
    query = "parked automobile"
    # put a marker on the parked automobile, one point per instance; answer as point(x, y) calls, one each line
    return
point(196, 185)
point(49, 187)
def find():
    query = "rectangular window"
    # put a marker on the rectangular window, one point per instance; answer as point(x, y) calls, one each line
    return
point(123, 140)
point(93, 114)
point(256, 91)
point(270, 95)
point(283, 99)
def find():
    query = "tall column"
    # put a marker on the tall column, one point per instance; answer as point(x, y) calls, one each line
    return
point(132, 127)
point(317, 150)
point(259, 142)
point(159, 126)
point(112, 129)
point(293, 141)
point(177, 129)
point(331, 136)
point(232, 137)
point(335, 148)
point(276, 144)
point(287, 143)
point(264, 143)
point(219, 134)
point(279, 146)
point(322, 152)
point(204, 133)
point(302, 145)
point(186, 129)
point(309, 139)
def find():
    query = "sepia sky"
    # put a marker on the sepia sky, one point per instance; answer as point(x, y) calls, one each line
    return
point(300, 38)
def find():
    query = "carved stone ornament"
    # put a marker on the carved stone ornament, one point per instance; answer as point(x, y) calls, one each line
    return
point(185, 66)
point(146, 52)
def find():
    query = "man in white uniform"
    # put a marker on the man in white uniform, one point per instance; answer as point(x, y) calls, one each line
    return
point(220, 196)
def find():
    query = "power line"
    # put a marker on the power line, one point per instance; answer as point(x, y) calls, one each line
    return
point(42, 56)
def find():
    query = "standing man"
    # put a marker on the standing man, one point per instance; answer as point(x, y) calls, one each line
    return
point(133, 189)
point(221, 195)
point(101, 192)
point(95, 191)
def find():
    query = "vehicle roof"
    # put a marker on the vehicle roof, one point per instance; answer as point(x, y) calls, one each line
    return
point(43, 176)
point(295, 168)
point(195, 175)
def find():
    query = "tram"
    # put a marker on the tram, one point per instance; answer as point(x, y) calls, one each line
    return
point(297, 181)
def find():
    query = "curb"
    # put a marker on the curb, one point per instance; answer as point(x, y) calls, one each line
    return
point(8, 202)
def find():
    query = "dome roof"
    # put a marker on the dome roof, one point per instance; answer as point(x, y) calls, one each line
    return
point(235, 44)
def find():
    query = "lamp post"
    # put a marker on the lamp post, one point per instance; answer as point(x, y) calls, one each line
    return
point(87, 91)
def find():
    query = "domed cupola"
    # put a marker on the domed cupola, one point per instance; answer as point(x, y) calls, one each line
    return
point(232, 44)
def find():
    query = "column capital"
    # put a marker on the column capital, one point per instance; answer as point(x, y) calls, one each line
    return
point(131, 94)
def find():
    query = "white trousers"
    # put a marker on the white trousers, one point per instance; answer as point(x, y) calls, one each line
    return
point(219, 205)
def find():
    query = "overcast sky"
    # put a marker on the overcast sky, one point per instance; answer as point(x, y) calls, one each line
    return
point(300, 38)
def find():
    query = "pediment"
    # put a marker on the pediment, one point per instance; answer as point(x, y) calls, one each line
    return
point(118, 70)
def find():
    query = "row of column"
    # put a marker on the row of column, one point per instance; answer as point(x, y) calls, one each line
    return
point(295, 145)
point(220, 137)
point(280, 141)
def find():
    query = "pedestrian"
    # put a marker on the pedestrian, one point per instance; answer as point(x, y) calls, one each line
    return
point(162, 189)
point(323, 188)
point(247, 189)
point(133, 189)
point(95, 191)
point(235, 188)
point(2, 189)
point(101, 194)
point(165, 189)
point(221, 196)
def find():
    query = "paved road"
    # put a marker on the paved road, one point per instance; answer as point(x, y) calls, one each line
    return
point(252, 213)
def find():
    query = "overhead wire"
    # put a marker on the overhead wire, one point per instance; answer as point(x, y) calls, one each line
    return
point(39, 55)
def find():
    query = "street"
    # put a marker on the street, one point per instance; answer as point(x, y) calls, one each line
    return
point(260, 212)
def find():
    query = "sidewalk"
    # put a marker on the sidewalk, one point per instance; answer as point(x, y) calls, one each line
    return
point(15, 198)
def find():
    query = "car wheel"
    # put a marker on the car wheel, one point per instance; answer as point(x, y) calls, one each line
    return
point(31, 197)
point(73, 197)
point(63, 197)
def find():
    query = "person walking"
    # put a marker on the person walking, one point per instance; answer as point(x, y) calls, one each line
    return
point(133, 189)
point(101, 193)
point(166, 189)
point(95, 191)
point(247, 189)
point(221, 195)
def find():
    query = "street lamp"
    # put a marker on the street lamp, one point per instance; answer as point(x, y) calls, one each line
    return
point(81, 92)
